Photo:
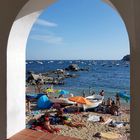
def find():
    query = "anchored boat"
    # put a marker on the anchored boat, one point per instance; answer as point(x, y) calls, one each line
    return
point(96, 101)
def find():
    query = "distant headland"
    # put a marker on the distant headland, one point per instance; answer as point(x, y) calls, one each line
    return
point(126, 57)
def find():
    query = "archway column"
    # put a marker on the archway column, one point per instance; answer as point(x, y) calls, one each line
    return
point(16, 56)
point(3, 99)
point(135, 74)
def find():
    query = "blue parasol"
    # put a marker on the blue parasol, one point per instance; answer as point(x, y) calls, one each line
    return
point(63, 92)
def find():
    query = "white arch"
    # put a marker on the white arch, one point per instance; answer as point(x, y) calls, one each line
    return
point(16, 63)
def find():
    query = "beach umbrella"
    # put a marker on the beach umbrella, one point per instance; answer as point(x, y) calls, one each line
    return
point(49, 90)
point(124, 96)
point(63, 92)
point(80, 99)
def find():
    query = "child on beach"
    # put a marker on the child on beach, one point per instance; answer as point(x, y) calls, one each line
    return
point(84, 95)
point(117, 100)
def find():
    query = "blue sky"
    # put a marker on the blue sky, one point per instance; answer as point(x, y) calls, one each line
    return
point(78, 29)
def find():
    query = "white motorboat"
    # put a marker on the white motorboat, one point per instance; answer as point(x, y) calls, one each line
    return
point(39, 62)
point(95, 103)
point(61, 101)
point(95, 99)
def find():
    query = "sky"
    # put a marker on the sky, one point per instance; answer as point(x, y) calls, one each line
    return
point(78, 29)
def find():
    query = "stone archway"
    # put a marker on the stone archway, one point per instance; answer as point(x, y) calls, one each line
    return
point(12, 58)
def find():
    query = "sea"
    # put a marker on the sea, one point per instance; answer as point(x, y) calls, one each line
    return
point(112, 76)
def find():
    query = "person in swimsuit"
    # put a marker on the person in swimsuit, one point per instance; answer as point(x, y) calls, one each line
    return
point(117, 100)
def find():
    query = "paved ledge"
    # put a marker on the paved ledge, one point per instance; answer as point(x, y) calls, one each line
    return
point(28, 134)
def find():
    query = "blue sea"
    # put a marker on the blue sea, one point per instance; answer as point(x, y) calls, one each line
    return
point(110, 75)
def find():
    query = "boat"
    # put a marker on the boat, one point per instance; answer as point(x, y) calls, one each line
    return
point(93, 105)
point(64, 101)
point(39, 62)
point(30, 62)
point(104, 64)
point(95, 99)
point(60, 62)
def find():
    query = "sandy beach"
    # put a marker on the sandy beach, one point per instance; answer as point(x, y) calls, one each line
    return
point(88, 132)
point(91, 128)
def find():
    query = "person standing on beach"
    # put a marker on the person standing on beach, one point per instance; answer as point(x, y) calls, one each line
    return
point(117, 100)
point(109, 102)
point(101, 93)
point(93, 92)
point(84, 95)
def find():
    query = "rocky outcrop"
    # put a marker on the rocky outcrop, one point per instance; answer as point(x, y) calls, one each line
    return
point(73, 67)
point(126, 58)
point(55, 77)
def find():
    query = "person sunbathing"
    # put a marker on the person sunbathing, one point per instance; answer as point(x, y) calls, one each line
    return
point(105, 120)
point(67, 121)
point(48, 126)
point(101, 119)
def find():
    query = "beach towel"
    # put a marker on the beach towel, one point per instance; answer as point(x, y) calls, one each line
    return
point(93, 118)
point(110, 135)
point(116, 124)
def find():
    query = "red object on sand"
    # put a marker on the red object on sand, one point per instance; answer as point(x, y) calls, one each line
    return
point(46, 118)
point(45, 130)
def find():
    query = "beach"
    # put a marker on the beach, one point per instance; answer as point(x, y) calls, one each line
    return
point(91, 128)
point(88, 132)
